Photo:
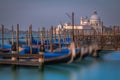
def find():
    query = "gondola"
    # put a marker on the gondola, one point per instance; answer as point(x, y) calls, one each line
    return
point(5, 48)
point(64, 56)
point(56, 57)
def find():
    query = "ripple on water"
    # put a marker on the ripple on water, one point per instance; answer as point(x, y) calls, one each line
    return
point(113, 56)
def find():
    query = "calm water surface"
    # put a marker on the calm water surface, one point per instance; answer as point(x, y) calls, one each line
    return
point(107, 67)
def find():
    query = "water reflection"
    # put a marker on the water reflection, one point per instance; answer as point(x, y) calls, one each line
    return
point(14, 72)
point(102, 68)
point(70, 71)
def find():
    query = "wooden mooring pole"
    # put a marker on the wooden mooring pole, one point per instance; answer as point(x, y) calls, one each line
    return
point(43, 36)
point(30, 33)
point(73, 26)
point(17, 38)
point(54, 34)
point(15, 46)
point(51, 39)
point(26, 37)
point(68, 34)
point(38, 37)
point(42, 49)
point(47, 35)
point(64, 35)
point(41, 58)
point(59, 38)
point(14, 49)
point(77, 39)
point(12, 34)
point(95, 44)
point(2, 36)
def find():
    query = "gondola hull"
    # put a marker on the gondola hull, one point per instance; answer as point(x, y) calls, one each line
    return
point(4, 50)
point(58, 60)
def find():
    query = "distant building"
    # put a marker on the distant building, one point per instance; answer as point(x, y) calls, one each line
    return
point(93, 23)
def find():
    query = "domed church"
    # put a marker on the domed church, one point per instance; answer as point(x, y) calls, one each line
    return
point(94, 22)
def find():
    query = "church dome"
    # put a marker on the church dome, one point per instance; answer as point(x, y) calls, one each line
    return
point(95, 16)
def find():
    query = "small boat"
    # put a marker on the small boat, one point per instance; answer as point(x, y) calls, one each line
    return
point(63, 56)
point(6, 48)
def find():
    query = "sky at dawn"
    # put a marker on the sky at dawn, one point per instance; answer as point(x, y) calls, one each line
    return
point(45, 13)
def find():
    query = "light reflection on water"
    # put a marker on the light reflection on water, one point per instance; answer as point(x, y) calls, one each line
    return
point(107, 67)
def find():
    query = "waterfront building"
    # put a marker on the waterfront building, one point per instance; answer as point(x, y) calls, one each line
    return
point(94, 22)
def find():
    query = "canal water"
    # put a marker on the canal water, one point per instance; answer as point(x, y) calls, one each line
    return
point(106, 67)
